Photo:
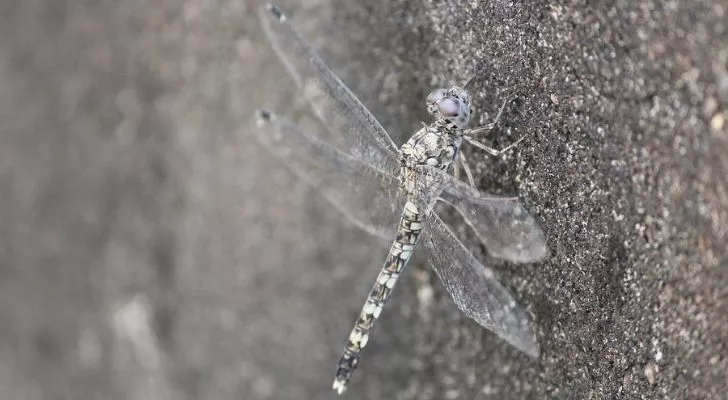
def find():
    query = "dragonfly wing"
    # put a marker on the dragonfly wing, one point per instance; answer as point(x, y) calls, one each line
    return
point(508, 231)
point(474, 287)
point(355, 130)
point(370, 197)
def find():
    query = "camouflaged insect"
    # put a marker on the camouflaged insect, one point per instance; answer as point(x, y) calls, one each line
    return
point(390, 192)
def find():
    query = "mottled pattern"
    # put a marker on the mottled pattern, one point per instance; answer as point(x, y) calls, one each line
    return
point(435, 145)
point(399, 255)
point(362, 173)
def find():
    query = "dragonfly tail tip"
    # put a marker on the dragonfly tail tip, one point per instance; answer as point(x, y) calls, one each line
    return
point(339, 386)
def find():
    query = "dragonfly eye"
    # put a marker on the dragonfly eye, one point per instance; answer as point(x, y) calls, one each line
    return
point(435, 96)
point(449, 107)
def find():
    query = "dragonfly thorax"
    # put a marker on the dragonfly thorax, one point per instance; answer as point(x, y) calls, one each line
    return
point(434, 145)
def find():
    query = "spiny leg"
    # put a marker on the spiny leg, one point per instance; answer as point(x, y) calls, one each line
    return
point(489, 126)
point(491, 150)
point(468, 134)
point(400, 253)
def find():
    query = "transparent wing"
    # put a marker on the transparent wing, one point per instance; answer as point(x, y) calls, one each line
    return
point(502, 224)
point(354, 129)
point(370, 197)
point(475, 289)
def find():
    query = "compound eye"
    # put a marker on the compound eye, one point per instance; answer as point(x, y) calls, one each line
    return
point(435, 96)
point(449, 107)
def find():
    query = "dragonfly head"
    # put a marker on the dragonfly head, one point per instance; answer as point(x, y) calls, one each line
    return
point(451, 104)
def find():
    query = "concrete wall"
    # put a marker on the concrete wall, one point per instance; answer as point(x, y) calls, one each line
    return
point(151, 249)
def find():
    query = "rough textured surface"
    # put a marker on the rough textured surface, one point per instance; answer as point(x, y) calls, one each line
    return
point(150, 248)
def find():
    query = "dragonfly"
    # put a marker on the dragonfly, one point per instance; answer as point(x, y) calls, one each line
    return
point(392, 192)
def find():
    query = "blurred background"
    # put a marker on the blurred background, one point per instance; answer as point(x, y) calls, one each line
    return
point(151, 249)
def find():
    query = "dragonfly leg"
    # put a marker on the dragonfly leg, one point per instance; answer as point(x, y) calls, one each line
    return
point(488, 127)
point(468, 134)
point(491, 150)
point(466, 168)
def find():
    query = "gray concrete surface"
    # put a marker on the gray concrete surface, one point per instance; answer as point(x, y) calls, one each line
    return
point(152, 250)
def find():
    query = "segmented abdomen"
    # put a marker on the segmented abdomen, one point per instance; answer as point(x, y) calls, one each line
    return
point(408, 233)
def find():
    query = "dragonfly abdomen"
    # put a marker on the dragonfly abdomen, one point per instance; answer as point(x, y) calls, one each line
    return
point(408, 233)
